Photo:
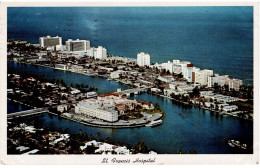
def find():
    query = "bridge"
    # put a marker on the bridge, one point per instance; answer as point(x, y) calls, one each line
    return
point(26, 113)
point(134, 90)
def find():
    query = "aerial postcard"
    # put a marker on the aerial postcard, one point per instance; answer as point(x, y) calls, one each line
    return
point(128, 84)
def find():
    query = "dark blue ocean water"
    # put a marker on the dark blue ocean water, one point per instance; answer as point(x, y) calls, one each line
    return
point(201, 130)
point(218, 38)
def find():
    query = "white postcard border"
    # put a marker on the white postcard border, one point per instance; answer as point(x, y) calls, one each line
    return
point(97, 159)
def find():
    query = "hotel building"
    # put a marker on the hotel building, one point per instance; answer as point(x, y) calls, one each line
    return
point(50, 41)
point(77, 45)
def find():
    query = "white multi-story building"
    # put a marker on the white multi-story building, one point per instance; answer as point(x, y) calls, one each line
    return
point(220, 80)
point(77, 45)
point(143, 59)
point(234, 84)
point(90, 52)
point(183, 66)
point(94, 110)
point(201, 77)
point(177, 68)
point(168, 66)
point(100, 53)
point(187, 72)
point(49, 41)
point(60, 47)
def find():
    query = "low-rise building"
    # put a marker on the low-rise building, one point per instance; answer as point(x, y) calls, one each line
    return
point(230, 108)
point(62, 108)
point(61, 66)
point(93, 110)
point(91, 94)
point(166, 79)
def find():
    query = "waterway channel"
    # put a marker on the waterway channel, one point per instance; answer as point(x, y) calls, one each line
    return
point(196, 129)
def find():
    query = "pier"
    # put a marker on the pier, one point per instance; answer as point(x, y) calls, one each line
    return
point(27, 113)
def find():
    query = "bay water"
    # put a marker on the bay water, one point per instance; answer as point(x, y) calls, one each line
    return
point(200, 130)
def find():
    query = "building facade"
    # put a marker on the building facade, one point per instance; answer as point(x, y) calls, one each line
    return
point(93, 110)
point(234, 84)
point(61, 66)
point(201, 77)
point(220, 80)
point(49, 41)
point(77, 45)
point(90, 52)
point(100, 53)
point(143, 59)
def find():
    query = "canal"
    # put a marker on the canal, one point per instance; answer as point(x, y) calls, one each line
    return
point(196, 129)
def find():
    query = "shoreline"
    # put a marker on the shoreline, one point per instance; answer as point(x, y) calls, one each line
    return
point(132, 125)
point(203, 108)
point(120, 81)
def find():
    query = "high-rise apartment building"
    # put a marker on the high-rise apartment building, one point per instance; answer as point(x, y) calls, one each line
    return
point(143, 59)
point(100, 53)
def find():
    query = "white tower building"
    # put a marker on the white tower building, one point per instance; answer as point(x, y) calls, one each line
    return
point(143, 59)
point(100, 53)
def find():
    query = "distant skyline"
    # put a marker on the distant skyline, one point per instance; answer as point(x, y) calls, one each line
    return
point(218, 38)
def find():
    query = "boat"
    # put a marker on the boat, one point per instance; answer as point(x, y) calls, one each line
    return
point(237, 144)
point(230, 142)
point(154, 123)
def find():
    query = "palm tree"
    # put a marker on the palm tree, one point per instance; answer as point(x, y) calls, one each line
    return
point(98, 135)
point(108, 140)
point(91, 137)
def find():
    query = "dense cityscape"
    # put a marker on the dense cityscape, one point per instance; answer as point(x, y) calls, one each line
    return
point(179, 81)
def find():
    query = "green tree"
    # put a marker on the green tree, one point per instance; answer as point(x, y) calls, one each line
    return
point(91, 137)
point(98, 135)
point(108, 140)
point(141, 147)
point(157, 106)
